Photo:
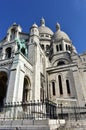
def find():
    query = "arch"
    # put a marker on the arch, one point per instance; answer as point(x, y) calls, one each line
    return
point(42, 46)
point(26, 89)
point(64, 61)
point(42, 86)
point(69, 48)
point(8, 52)
point(12, 36)
point(60, 63)
point(60, 47)
point(66, 47)
point(47, 47)
point(57, 48)
point(3, 87)
point(26, 92)
point(68, 86)
point(53, 88)
point(60, 84)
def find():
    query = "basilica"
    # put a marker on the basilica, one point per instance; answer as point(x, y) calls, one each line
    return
point(40, 65)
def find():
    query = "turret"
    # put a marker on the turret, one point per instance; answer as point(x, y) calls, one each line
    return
point(45, 34)
point(34, 30)
point(13, 32)
point(33, 41)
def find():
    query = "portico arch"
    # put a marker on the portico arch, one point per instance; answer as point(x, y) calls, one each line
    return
point(26, 89)
point(26, 92)
point(3, 87)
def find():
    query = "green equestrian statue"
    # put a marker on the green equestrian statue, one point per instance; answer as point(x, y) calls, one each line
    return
point(21, 46)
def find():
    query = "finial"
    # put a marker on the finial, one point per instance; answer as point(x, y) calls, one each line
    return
point(42, 22)
point(14, 23)
point(57, 26)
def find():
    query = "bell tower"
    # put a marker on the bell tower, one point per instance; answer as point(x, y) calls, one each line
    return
point(34, 57)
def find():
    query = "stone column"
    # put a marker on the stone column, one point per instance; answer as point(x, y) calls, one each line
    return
point(15, 87)
point(78, 87)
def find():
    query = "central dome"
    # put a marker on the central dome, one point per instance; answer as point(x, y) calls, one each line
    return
point(59, 35)
point(43, 29)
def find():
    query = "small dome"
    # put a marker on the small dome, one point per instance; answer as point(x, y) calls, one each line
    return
point(14, 23)
point(58, 35)
point(43, 29)
point(34, 25)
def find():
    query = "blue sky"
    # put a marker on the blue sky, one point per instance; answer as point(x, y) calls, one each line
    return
point(71, 14)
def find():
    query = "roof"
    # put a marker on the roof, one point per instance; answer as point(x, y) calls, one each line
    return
point(58, 35)
point(44, 29)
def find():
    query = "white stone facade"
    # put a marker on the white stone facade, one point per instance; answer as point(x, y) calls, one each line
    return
point(41, 65)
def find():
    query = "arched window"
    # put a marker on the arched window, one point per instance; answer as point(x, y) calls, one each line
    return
point(60, 85)
point(60, 47)
point(26, 92)
point(42, 79)
point(61, 63)
point(68, 86)
point(26, 89)
point(8, 52)
point(12, 36)
point(53, 88)
point(57, 48)
point(42, 46)
point(47, 47)
point(69, 48)
point(42, 35)
point(47, 35)
point(66, 47)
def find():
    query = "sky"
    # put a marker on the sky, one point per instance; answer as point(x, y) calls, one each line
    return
point(71, 14)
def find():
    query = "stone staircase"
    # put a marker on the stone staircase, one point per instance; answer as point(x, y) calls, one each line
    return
point(46, 124)
point(75, 125)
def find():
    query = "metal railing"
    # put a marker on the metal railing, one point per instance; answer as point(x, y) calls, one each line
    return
point(28, 110)
point(71, 113)
point(40, 110)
